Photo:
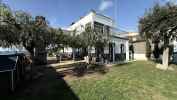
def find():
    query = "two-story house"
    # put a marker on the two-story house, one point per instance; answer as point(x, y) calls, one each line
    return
point(118, 48)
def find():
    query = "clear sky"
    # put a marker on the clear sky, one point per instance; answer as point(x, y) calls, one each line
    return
point(61, 13)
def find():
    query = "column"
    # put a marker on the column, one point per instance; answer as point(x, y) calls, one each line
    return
point(127, 50)
point(113, 45)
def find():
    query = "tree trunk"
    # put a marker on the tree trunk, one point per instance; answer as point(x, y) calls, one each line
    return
point(165, 59)
point(31, 51)
point(40, 56)
point(89, 55)
point(73, 54)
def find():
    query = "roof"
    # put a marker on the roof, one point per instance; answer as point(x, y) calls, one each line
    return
point(91, 11)
point(66, 31)
point(104, 16)
point(139, 41)
point(120, 37)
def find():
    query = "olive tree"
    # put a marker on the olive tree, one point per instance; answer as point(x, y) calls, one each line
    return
point(94, 37)
point(160, 24)
point(20, 28)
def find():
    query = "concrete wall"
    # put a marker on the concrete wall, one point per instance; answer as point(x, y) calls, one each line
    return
point(118, 41)
point(103, 20)
point(140, 56)
point(91, 18)
point(140, 50)
point(80, 24)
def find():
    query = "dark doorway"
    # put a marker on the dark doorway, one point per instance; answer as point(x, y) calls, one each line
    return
point(122, 48)
point(111, 51)
point(99, 53)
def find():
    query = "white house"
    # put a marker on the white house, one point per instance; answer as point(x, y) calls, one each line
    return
point(118, 48)
point(175, 51)
point(137, 45)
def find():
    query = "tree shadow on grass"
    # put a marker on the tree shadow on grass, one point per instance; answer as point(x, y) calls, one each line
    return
point(82, 69)
point(123, 64)
point(49, 86)
point(4, 83)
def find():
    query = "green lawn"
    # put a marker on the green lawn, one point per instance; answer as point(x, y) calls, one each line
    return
point(132, 81)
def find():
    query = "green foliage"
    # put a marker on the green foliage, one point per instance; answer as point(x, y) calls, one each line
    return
point(8, 26)
point(92, 37)
point(88, 36)
point(20, 28)
point(160, 23)
point(75, 40)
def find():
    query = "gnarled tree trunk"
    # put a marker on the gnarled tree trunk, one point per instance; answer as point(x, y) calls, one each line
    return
point(74, 51)
point(165, 58)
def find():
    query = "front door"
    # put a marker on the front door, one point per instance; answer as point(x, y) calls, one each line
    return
point(111, 52)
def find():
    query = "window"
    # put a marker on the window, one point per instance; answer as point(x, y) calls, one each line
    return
point(122, 48)
point(98, 27)
point(88, 25)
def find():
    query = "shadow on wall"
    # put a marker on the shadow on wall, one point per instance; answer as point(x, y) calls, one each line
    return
point(49, 86)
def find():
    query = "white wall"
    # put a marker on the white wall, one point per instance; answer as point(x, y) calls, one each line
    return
point(104, 20)
point(68, 50)
point(118, 43)
point(140, 56)
point(94, 17)
point(82, 22)
point(90, 18)
point(106, 50)
point(175, 51)
point(175, 46)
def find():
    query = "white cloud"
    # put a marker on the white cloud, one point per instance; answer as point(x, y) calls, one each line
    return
point(105, 4)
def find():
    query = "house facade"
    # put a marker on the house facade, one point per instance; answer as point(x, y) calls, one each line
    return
point(118, 48)
point(174, 57)
point(137, 45)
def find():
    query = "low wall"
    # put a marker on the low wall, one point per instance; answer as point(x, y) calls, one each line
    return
point(140, 57)
point(120, 57)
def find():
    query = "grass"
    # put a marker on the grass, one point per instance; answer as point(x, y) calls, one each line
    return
point(132, 81)
point(135, 81)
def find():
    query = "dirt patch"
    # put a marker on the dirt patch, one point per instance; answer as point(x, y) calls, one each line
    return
point(158, 97)
point(83, 69)
point(94, 76)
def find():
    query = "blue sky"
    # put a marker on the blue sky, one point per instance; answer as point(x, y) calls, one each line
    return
point(61, 13)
